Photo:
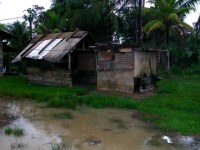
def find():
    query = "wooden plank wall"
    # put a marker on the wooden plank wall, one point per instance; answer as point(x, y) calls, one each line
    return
point(55, 77)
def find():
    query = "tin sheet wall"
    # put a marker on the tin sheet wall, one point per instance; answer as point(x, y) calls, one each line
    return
point(145, 63)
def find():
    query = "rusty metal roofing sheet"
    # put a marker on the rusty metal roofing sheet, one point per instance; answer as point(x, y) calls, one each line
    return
point(36, 38)
point(19, 56)
point(75, 34)
point(49, 48)
point(59, 51)
point(66, 35)
point(79, 34)
point(51, 36)
point(34, 53)
point(52, 47)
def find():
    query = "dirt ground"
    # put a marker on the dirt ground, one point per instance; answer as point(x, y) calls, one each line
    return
point(5, 118)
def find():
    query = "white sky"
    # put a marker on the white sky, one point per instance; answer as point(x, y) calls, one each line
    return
point(15, 8)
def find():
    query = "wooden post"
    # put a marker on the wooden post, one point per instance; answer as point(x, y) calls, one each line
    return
point(83, 45)
point(168, 61)
point(69, 61)
point(9, 65)
point(96, 60)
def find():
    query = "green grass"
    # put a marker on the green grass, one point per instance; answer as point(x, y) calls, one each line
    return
point(174, 108)
point(14, 131)
point(8, 131)
point(59, 96)
point(18, 132)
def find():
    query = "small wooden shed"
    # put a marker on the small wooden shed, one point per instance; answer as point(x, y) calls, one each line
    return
point(60, 58)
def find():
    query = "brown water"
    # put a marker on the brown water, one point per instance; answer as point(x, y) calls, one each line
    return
point(91, 129)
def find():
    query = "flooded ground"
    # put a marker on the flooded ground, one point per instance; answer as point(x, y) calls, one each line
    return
point(83, 129)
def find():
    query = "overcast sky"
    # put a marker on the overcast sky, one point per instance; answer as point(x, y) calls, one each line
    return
point(15, 8)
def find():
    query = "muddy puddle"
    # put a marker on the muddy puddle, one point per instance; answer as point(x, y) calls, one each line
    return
point(83, 129)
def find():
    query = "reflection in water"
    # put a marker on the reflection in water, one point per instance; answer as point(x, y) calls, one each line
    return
point(91, 129)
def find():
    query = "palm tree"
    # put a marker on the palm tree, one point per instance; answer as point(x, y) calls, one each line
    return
point(168, 13)
point(58, 3)
point(21, 40)
point(20, 31)
point(2, 26)
point(32, 17)
point(54, 22)
point(100, 17)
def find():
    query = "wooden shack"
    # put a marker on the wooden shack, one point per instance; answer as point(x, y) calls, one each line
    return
point(60, 59)
point(3, 37)
point(75, 57)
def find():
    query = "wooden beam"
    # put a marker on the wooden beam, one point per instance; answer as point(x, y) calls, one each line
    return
point(69, 61)
point(83, 44)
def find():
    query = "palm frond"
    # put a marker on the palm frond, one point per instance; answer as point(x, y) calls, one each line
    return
point(157, 25)
point(187, 3)
point(173, 18)
point(149, 24)
point(185, 10)
point(187, 26)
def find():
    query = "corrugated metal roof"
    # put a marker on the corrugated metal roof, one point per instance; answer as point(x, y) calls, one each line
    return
point(35, 52)
point(59, 51)
point(51, 47)
point(36, 38)
point(19, 56)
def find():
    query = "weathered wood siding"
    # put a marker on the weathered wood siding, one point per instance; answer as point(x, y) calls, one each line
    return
point(56, 77)
point(115, 72)
point(86, 62)
point(145, 63)
point(86, 68)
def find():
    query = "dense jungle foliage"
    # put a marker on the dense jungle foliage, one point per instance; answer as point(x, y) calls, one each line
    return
point(129, 22)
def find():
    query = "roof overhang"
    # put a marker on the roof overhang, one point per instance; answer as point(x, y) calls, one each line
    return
point(51, 47)
point(5, 35)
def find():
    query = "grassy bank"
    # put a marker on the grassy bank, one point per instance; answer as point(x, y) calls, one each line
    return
point(175, 107)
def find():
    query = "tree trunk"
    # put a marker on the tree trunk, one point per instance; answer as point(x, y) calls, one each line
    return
point(158, 35)
point(143, 3)
point(139, 23)
point(136, 11)
point(30, 28)
point(167, 36)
